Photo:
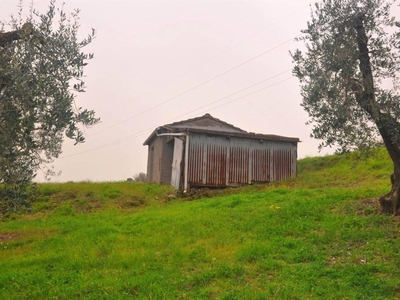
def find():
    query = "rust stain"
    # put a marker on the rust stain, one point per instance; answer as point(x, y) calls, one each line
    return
point(218, 162)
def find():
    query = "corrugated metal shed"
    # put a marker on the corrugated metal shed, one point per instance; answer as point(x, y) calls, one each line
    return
point(220, 154)
point(216, 161)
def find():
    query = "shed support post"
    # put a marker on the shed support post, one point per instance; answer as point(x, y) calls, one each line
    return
point(250, 179)
point(185, 184)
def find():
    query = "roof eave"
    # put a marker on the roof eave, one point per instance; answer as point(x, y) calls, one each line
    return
point(173, 128)
point(151, 136)
point(246, 135)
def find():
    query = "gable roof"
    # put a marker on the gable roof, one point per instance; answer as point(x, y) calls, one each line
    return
point(206, 122)
point(209, 125)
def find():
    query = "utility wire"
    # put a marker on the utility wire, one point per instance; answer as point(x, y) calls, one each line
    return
point(230, 95)
point(137, 134)
point(225, 103)
point(195, 87)
point(210, 59)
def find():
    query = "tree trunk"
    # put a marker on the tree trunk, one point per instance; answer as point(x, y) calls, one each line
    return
point(365, 96)
point(390, 203)
point(8, 37)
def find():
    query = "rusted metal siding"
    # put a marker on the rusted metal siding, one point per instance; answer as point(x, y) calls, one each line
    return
point(238, 165)
point(215, 165)
point(273, 160)
point(261, 165)
point(195, 169)
point(282, 164)
point(220, 161)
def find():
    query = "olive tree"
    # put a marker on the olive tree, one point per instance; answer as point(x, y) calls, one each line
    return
point(349, 78)
point(41, 72)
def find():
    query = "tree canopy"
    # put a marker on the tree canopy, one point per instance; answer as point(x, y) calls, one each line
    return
point(349, 78)
point(41, 72)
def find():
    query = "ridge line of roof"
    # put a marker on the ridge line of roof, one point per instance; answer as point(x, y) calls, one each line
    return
point(207, 115)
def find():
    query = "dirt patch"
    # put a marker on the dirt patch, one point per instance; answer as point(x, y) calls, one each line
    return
point(23, 235)
point(8, 236)
point(134, 201)
point(368, 207)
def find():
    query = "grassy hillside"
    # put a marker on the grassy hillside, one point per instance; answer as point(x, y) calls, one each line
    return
point(319, 236)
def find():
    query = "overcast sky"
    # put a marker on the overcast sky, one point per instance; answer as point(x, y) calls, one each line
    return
point(158, 62)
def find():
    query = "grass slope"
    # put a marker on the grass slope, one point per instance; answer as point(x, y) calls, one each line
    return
point(319, 236)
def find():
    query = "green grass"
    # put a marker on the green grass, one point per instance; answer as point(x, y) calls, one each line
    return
point(319, 236)
point(346, 170)
point(66, 198)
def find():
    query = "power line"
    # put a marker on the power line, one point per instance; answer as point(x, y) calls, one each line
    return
point(230, 95)
point(252, 93)
point(137, 134)
point(195, 87)
point(212, 58)
point(225, 103)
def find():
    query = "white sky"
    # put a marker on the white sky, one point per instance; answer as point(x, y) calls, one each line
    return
point(158, 62)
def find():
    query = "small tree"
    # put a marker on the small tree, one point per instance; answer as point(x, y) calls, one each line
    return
point(349, 77)
point(141, 177)
point(41, 69)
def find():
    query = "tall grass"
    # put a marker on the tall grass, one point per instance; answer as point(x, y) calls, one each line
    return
point(317, 237)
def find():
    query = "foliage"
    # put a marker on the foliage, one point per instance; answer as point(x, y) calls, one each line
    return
point(41, 70)
point(141, 177)
point(15, 196)
point(297, 239)
point(348, 107)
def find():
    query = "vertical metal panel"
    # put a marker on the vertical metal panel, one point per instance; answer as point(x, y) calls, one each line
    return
point(261, 161)
point(277, 164)
point(273, 161)
point(228, 167)
point(220, 161)
point(293, 157)
point(239, 165)
point(261, 165)
point(176, 163)
point(204, 165)
point(250, 167)
point(282, 164)
point(271, 165)
point(195, 168)
point(155, 158)
point(216, 165)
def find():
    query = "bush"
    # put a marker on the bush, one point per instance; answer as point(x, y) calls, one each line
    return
point(141, 177)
